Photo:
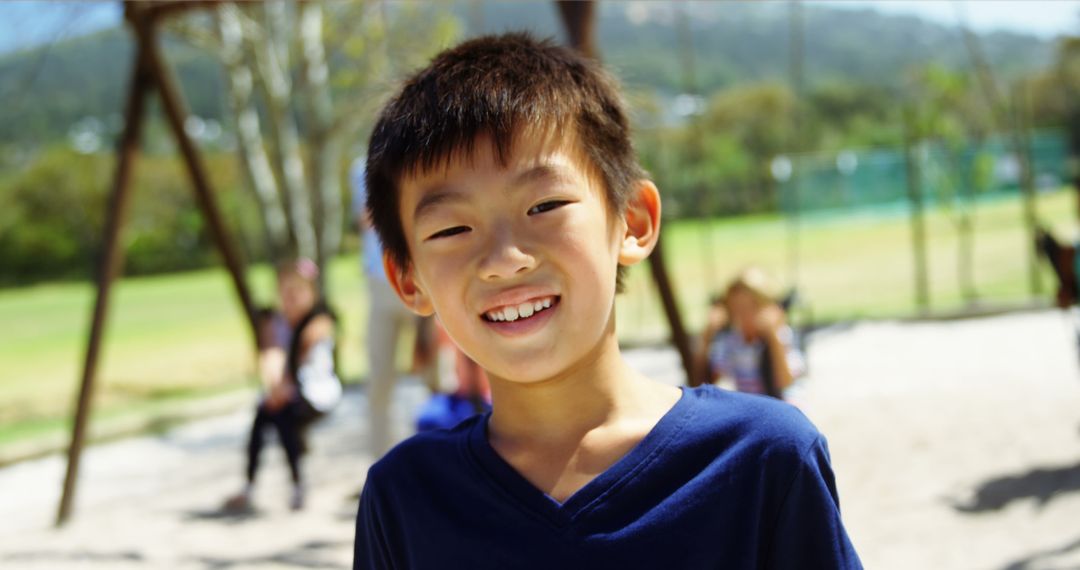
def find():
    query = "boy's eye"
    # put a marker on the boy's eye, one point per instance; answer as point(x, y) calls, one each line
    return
point(448, 232)
point(546, 206)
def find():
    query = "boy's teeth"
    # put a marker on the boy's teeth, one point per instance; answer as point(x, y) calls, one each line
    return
point(522, 311)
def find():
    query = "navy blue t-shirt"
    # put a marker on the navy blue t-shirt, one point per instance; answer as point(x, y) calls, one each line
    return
point(724, 480)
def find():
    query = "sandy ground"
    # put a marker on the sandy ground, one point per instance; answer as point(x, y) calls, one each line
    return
point(956, 445)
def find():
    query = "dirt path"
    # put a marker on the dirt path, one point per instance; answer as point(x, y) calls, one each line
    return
point(956, 445)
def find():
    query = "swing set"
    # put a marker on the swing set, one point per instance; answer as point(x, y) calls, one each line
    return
point(150, 71)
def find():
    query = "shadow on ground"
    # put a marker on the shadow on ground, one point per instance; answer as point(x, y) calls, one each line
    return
point(1029, 562)
point(307, 555)
point(221, 515)
point(40, 556)
point(1042, 484)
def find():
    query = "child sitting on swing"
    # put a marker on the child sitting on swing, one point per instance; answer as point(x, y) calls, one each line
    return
point(297, 366)
point(747, 339)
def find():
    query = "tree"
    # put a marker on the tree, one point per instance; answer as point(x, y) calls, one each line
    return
point(957, 118)
point(1055, 101)
point(304, 79)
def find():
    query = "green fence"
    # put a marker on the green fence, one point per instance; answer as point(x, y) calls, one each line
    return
point(948, 173)
point(847, 243)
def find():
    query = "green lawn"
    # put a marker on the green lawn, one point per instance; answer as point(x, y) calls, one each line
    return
point(849, 266)
point(177, 336)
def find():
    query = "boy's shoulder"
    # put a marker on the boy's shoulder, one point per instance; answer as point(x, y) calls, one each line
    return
point(755, 423)
point(724, 425)
point(439, 449)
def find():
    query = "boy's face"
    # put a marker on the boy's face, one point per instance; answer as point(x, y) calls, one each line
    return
point(519, 262)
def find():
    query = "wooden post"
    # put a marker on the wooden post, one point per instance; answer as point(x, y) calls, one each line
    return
point(148, 69)
point(578, 18)
point(109, 266)
point(671, 308)
point(176, 112)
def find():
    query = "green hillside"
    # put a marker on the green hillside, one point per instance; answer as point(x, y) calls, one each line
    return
point(49, 89)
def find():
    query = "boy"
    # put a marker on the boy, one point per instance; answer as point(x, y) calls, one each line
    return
point(504, 186)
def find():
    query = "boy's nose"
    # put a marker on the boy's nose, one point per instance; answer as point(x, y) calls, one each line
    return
point(504, 257)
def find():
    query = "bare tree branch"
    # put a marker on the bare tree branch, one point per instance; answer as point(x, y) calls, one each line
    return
point(324, 145)
point(253, 159)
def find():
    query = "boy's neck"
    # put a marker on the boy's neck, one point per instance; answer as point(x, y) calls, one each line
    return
point(600, 390)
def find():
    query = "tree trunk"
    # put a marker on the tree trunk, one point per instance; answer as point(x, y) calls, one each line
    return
point(325, 150)
point(918, 223)
point(965, 239)
point(1012, 117)
point(272, 57)
point(253, 159)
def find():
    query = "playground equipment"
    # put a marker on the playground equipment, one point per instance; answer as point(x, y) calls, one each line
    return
point(151, 71)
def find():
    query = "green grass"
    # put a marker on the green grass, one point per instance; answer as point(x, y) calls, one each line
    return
point(849, 266)
point(181, 336)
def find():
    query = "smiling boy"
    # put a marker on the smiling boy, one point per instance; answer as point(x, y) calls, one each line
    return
point(505, 189)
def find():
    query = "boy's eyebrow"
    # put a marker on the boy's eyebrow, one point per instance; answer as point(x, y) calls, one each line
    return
point(432, 198)
point(542, 172)
point(443, 194)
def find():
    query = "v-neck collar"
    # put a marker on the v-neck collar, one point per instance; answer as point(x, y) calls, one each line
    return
point(537, 502)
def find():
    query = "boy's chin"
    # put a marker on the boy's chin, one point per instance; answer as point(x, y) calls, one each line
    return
point(519, 375)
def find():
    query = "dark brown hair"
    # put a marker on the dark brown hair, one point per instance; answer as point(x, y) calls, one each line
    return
point(499, 87)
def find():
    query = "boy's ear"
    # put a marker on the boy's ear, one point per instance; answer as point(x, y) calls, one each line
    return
point(404, 283)
point(642, 218)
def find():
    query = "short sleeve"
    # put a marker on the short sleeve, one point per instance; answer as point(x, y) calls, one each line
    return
point(808, 532)
point(371, 551)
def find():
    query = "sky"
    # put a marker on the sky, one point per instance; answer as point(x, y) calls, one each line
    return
point(1043, 18)
point(25, 23)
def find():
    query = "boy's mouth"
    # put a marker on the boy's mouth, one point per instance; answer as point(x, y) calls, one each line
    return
point(526, 310)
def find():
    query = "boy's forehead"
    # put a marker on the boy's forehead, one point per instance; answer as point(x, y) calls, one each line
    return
point(485, 152)
point(531, 156)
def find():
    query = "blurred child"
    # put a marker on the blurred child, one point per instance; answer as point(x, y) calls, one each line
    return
point(471, 394)
point(1065, 260)
point(747, 338)
point(297, 369)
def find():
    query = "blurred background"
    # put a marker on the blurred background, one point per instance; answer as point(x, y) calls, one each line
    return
point(887, 161)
